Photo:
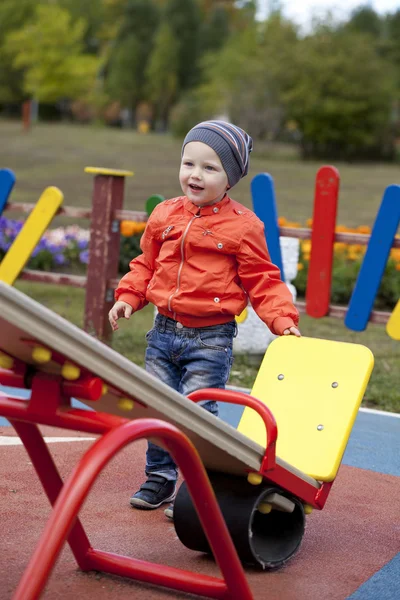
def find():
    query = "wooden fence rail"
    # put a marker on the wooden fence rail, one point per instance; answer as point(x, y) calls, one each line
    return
point(102, 272)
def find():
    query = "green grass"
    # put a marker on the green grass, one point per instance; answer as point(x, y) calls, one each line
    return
point(56, 154)
point(383, 389)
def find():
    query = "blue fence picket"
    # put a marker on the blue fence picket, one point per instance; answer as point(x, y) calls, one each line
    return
point(375, 260)
point(264, 205)
point(7, 180)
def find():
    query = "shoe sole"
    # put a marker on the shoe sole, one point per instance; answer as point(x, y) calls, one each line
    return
point(138, 503)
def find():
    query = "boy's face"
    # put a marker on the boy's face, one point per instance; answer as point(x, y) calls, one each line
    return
point(202, 176)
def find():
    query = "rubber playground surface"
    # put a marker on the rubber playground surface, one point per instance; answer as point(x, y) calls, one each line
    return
point(351, 549)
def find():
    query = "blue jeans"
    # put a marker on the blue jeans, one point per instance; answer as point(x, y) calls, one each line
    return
point(186, 359)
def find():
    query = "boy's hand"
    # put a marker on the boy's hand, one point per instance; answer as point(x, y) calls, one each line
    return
point(292, 331)
point(119, 310)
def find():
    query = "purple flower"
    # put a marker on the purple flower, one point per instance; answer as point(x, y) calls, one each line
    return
point(60, 259)
point(84, 257)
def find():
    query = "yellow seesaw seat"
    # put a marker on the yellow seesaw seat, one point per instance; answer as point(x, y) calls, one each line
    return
point(313, 388)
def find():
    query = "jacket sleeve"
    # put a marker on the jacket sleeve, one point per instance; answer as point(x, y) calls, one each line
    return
point(133, 286)
point(260, 278)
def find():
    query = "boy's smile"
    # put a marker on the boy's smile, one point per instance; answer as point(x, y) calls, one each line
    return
point(202, 176)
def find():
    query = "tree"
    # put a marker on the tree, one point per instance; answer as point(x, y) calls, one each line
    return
point(341, 97)
point(247, 79)
point(49, 50)
point(365, 20)
point(12, 17)
point(93, 12)
point(184, 19)
point(129, 55)
point(215, 30)
point(161, 73)
point(124, 73)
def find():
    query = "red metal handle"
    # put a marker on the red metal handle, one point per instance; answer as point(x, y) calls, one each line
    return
point(243, 399)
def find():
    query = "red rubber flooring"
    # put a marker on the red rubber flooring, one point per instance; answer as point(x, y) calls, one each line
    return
point(344, 545)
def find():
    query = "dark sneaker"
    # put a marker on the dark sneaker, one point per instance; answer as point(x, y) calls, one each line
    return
point(169, 512)
point(154, 492)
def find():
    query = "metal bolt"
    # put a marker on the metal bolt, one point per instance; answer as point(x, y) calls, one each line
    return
point(335, 384)
point(320, 427)
point(280, 377)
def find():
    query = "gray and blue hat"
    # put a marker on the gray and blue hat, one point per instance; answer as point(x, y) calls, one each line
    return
point(232, 144)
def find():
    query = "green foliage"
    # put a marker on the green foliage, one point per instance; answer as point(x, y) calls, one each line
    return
point(12, 17)
point(125, 73)
point(189, 111)
point(184, 19)
point(365, 20)
point(215, 30)
point(129, 249)
point(161, 72)
point(49, 50)
point(248, 77)
point(344, 277)
point(93, 12)
point(338, 112)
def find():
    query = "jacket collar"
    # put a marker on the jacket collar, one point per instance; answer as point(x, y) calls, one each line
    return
point(207, 210)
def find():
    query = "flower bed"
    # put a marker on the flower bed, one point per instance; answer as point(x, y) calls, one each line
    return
point(346, 264)
point(66, 249)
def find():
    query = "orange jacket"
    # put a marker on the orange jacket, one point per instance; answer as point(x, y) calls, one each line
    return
point(200, 266)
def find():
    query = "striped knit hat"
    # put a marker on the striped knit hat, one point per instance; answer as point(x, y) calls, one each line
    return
point(231, 143)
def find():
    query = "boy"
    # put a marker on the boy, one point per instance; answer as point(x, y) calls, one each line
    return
point(204, 255)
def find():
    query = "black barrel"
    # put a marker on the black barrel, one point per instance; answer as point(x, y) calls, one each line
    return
point(266, 540)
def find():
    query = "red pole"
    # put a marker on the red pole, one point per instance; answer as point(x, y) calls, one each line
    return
point(319, 280)
point(108, 196)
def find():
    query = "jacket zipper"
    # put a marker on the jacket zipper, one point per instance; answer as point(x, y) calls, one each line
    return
point(178, 281)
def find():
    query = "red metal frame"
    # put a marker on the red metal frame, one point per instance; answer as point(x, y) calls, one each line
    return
point(68, 498)
point(269, 469)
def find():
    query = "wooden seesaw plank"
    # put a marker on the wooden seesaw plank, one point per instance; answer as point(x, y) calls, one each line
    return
point(220, 446)
point(29, 236)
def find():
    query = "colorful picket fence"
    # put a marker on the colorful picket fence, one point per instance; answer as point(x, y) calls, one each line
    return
point(107, 213)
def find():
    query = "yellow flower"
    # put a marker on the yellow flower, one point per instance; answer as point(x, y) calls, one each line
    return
point(340, 247)
point(309, 223)
point(129, 228)
point(293, 224)
point(395, 254)
point(282, 221)
point(306, 246)
point(364, 229)
point(356, 249)
point(300, 266)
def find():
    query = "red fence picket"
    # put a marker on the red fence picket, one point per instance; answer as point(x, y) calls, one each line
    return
point(102, 273)
point(319, 280)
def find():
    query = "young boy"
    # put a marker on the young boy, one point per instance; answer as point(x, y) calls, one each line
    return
point(204, 255)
